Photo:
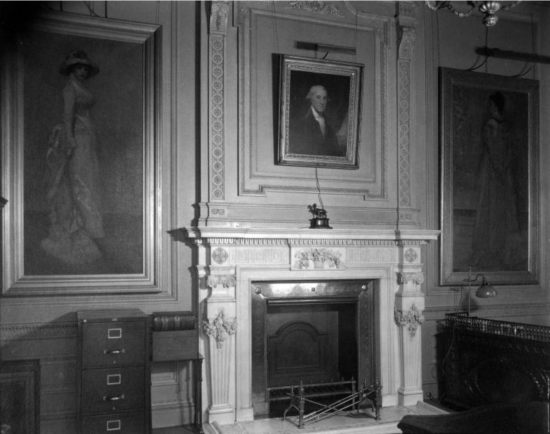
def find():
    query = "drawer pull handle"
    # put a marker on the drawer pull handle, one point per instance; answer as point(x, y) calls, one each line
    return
point(113, 398)
point(114, 352)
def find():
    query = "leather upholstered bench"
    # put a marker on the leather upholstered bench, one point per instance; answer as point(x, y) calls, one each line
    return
point(529, 418)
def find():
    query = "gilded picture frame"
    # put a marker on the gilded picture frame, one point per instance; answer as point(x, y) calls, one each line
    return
point(79, 159)
point(489, 178)
point(319, 113)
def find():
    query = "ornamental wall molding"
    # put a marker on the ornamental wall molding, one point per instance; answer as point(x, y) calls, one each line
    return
point(217, 120)
point(304, 242)
point(219, 329)
point(256, 181)
point(412, 319)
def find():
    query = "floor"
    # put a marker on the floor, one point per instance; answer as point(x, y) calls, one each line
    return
point(176, 430)
point(350, 423)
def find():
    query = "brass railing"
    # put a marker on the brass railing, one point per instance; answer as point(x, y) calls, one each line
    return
point(494, 327)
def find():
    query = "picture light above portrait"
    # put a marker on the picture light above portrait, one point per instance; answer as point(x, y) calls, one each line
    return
point(487, 8)
point(325, 48)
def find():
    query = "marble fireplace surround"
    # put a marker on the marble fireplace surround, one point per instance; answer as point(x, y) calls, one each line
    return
point(230, 259)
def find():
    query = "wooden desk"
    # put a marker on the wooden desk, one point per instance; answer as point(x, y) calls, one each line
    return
point(180, 346)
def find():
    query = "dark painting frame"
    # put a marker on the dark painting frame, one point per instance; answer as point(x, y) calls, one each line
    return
point(20, 398)
point(298, 144)
point(489, 177)
point(125, 117)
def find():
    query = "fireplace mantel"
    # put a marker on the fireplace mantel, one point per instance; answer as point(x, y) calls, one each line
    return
point(230, 259)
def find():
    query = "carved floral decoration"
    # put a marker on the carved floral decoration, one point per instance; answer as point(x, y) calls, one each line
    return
point(412, 319)
point(219, 329)
point(318, 259)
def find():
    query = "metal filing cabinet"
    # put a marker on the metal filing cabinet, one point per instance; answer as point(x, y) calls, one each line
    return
point(114, 380)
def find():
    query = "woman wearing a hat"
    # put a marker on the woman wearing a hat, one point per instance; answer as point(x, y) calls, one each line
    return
point(76, 229)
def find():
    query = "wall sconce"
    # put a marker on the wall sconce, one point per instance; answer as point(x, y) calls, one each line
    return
point(3, 202)
point(487, 8)
point(484, 291)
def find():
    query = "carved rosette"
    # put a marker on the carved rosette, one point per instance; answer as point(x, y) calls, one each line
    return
point(410, 255)
point(219, 255)
point(219, 329)
point(412, 319)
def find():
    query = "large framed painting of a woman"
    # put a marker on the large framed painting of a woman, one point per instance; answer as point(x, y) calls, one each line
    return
point(319, 113)
point(78, 161)
point(489, 172)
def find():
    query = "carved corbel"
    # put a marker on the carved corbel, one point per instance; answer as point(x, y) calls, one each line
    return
point(406, 42)
point(412, 319)
point(218, 17)
point(404, 278)
point(219, 329)
point(227, 281)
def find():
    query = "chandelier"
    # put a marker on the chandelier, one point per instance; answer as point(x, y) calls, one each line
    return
point(487, 8)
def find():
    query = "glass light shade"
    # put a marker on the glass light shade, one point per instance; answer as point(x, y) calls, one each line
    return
point(486, 290)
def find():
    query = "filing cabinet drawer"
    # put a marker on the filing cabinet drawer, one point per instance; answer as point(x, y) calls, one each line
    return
point(113, 343)
point(126, 423)
point(113, 390)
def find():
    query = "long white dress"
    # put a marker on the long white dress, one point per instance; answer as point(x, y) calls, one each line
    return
point(74, 186)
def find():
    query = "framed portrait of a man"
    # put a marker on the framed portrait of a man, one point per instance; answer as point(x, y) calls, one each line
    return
point(319, 113)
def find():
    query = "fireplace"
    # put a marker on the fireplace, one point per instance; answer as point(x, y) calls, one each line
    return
point(233, 264)
point(311, 333)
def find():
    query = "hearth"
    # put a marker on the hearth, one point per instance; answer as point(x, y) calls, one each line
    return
point(234, 263)
point(311, 333)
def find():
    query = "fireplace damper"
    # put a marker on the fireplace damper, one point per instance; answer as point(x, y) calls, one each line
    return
point(310, 332)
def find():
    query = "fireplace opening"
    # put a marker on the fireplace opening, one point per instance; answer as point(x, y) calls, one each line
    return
point(319, 334)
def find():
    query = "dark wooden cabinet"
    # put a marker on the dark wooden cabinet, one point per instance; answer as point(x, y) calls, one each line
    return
point(177, 346)
point(114, 378)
